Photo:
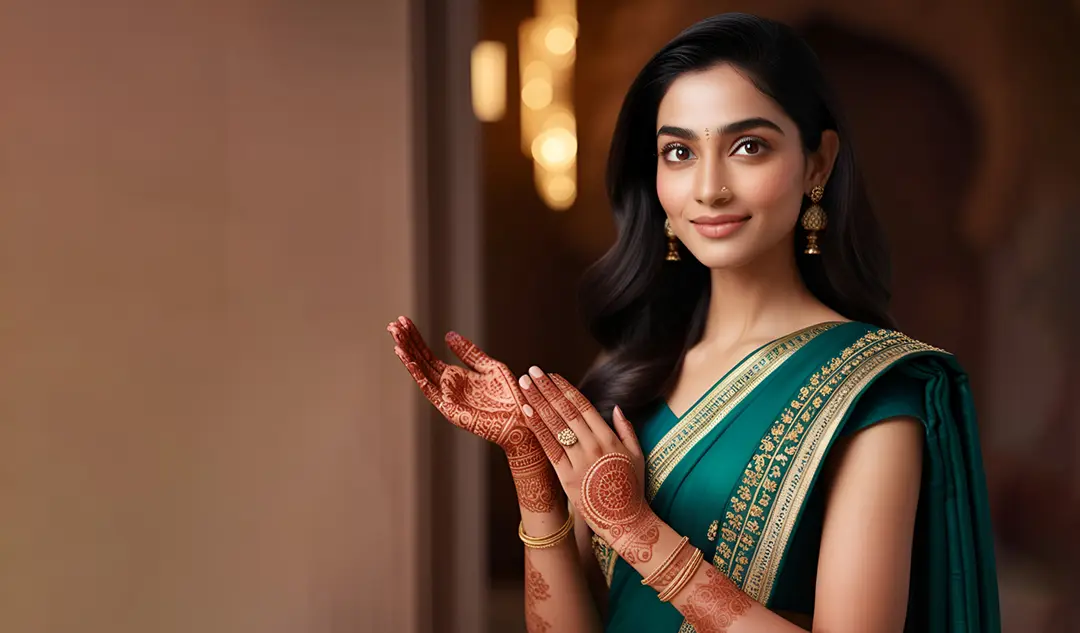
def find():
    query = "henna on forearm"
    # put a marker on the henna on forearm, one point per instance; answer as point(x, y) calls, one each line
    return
point(635, 544)
point(714, 605)
point(537, 486)
point(536, 590)
point(537, 490)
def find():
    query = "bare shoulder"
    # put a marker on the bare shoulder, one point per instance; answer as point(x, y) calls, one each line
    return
point(872, 495)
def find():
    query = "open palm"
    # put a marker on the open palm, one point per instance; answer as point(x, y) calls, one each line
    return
point(484, 399)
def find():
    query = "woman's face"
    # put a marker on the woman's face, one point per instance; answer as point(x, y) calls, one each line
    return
point(730, 171)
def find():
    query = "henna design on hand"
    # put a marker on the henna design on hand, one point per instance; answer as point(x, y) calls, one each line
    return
point(580, 402)
point(535, 481)
point(484, 399)
point(636, 543)
point(714, 606)
point(613, 500)
point(536, 590)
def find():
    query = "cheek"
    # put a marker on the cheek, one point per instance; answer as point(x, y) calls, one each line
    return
point(774, 190)
point(672, 188)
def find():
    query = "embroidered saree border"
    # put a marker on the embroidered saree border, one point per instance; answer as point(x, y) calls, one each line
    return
point(766, 563)
point(755, 531)
point(605, 557)
point(703, 417)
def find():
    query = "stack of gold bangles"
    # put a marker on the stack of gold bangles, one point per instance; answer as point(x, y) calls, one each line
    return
point(682, 578)
point(552, 540)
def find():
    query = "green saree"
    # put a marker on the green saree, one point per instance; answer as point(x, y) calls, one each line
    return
point(736, 474)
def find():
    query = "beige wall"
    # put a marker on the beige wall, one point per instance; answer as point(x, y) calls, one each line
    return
point(206, 224)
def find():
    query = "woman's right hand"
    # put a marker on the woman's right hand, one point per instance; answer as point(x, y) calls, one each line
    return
point(483, 398)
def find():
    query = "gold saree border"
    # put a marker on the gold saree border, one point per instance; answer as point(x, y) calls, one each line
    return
point(605, 557)
point(720, 400)
point(760, 518)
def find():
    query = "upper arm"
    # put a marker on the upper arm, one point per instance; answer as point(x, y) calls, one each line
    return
point(872, 494)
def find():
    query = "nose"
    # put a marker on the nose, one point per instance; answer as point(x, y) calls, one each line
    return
point(709, 190)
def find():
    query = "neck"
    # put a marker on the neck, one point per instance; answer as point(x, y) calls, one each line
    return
point(764, 299)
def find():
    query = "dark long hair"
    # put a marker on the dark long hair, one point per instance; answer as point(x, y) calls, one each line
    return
point(646, 312)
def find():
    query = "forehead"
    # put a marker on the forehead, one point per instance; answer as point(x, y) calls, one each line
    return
point(716, 96)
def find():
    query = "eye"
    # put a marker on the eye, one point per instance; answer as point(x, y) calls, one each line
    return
point(750, 147)
point(676, 153)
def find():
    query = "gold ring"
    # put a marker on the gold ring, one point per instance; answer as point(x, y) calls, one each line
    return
point(566, 437)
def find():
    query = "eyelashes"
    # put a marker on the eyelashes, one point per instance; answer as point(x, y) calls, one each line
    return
point(747, 146)
point(751, 141)
point(667, 150)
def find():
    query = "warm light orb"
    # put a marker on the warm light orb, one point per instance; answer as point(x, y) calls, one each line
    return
point(558, 190)
point(559, 40)
point(562, 189)
point(488, 74)
point(537, 93)
point(555, 148)
point(547, 52)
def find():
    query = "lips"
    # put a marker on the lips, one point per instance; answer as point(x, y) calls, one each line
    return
point(718, 226)
point(720, 219)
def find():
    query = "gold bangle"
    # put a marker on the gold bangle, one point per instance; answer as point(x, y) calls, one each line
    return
point(667, 563)
point(683, 578)
point(680, 581)
point(551, 540)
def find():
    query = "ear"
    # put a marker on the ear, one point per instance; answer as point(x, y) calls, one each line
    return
point(819, 165)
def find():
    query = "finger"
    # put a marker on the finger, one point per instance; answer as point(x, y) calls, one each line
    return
point(553, 394)
point(405, 344)
point(542, 410)
point(626, 433)
point(430, 389)
point(408, 338)
point(556, 423)
point(572, 394)
point(420, 346)
point(469, 353)
point(597, 424)
point(554, 451)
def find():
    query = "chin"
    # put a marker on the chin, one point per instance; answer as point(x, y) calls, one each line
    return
point(733, 251)
point(723, 256)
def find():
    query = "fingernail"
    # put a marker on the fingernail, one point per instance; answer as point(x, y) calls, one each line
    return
point(619, 413)
point(452, 336)
point(402, 320)
point(524, 382)
point(527, 410)
point(536, 372)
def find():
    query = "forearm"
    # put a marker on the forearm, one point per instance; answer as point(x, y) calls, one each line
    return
point(557, 596)
point(708, 600)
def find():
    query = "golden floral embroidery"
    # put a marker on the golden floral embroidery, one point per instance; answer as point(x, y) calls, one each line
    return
point(605, 556)
point(781, 462)
point(696, 423)
point(713, 527)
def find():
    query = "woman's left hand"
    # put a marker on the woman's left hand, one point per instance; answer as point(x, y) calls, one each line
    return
point(604, 470)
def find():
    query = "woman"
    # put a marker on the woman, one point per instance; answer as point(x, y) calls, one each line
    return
point(796, 464)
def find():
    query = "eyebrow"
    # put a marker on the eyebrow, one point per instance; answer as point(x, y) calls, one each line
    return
point(737, 127)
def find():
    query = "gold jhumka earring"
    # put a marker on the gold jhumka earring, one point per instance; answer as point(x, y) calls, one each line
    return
point(814, 221)
point(672, 244)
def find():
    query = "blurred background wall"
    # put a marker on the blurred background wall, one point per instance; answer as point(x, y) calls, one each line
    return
point(208, 214)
